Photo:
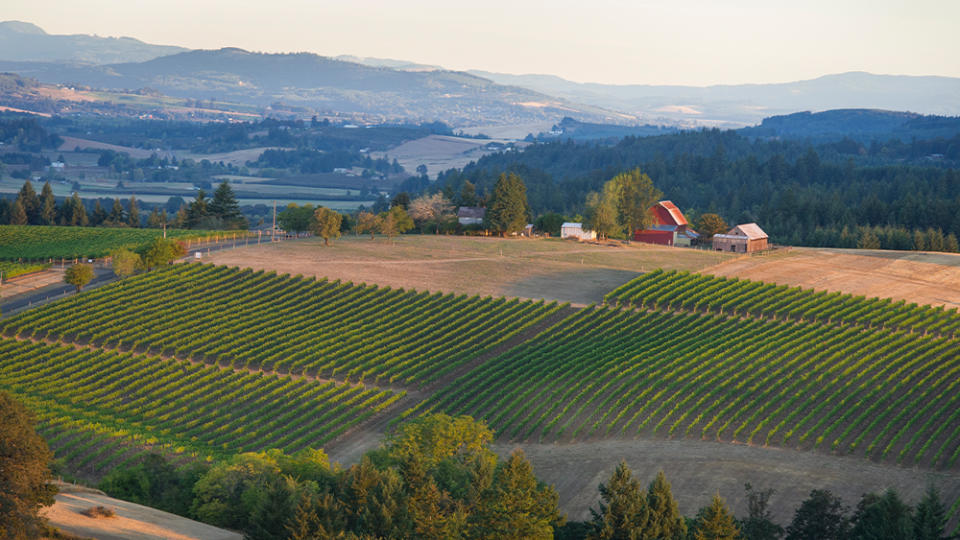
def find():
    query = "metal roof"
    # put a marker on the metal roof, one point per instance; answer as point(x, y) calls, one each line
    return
point(750, 230)
point(675, 214)
point(471, 212)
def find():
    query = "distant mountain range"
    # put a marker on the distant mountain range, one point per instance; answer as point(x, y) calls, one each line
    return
point(392, 90)
point(26, 42)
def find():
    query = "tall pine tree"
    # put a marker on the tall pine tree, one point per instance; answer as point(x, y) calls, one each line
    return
point(133, 215)
point(508, 211)
point(224, 206)
point(715, 522)
point(624, 512)
point(48, 206)
point(666, 522)
point(930, 517)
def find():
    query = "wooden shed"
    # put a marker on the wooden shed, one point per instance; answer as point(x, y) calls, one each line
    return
point(575, 230)
point(745, 238)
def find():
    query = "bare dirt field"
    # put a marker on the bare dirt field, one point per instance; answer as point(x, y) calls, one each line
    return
point(131, 521)
point(924, 278)
point(438, 152)
point(528, 268)
point(237, 157)
point(699, 469)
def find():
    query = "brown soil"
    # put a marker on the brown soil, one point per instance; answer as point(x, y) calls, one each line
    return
point(924, 278)
point(699, 469)
point(130, 522)
point(552, 269)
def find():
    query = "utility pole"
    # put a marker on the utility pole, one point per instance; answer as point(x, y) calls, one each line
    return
point(273, 231)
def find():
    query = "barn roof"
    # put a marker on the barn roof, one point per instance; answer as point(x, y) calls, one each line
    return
point(750, 230)
point(471, 212)
point(676, 216)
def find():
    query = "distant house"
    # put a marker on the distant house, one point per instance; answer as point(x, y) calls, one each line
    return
point(745, 238)
point(669, 228)
point(575, 230)
point(471, 215)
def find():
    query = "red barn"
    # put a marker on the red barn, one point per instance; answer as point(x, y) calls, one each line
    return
point(669, 228)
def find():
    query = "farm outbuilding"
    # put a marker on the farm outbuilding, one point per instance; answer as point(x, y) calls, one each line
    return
point(669, 228)
point(575, 230)
point(745, 238)
point(471, 215)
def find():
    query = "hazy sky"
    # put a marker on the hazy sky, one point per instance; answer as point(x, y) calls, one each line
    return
point(696, 42)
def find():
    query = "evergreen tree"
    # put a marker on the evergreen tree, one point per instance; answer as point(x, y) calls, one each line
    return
point(623, 512)
point(24, 472)
point(99, 215)
point(882, 517)
point(133, 215)
point(224, 206)
point(508, 211)
point(401, 199)
point(197, 211)
point(516, 505)
point(48, 206)
point(666, 522)
point(18, 216)
point(821, 516)
point(468, 194)
point(715, 522)
point(930, 517)
point(30, 203)
point(157, 218)
point(950, 243)
point(118, 216)
point(79, 217)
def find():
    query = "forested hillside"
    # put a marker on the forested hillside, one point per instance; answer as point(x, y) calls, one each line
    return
point(799, 192)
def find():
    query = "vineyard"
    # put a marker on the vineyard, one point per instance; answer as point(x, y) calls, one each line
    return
point(10, 270)
point(603, 372)
point(36, 242)
point(254, 319)
point(687, 291)
point(94, 406)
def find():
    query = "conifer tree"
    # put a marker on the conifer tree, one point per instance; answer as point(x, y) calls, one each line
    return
point(930, 517)
point(99, 215)
point(516, 505)
point(508, 211)
point(224, 206)
point(666, 522)
point(18, 216)
point(624, 512)
point(30, 202)
point(821, 516)
point(715, 522)
point(156, 219)
point(79, 216)
point(117, 215)
point(48, 206)
point(133, 215)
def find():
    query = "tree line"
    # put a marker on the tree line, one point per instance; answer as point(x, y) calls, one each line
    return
point(29, 208)
point(801, 194)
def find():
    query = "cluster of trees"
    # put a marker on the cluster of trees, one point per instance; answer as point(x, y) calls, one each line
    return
point(26, 133)
point(800, 194)
point(321, 221)
point(623, 205)
point(307, 161)
point(25, 476)
point(162, 169)
point(158, 252)
point(435, 478)
point(28, 208)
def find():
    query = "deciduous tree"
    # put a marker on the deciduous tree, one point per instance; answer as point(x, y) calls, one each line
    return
point(326, 224)
point(24, 472)
point(78, 275)
point(634, 194)
point(368, 222)
point(125, 262)
point(709, 225)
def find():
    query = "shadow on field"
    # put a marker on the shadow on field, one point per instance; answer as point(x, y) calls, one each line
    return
point(575, 286)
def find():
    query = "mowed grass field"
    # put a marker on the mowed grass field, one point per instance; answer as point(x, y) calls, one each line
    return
point(551, 269)
point(691, 374)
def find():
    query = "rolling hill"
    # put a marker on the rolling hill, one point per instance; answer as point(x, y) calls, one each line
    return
point(26, 42)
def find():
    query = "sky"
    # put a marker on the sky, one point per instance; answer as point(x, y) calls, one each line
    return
point(694, 42)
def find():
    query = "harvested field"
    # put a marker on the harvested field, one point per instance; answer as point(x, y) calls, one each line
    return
point(439, 152)
point(71, 143)
point(130, 522)
point(551, 269)
point(924, 278)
